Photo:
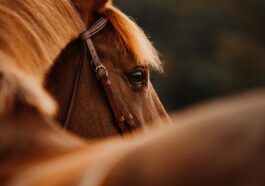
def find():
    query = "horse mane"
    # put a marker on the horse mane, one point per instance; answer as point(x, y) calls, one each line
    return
point(133, 37)
point(32, 34)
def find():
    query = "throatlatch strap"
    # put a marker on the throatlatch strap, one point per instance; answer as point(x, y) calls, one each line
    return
point(78, 76)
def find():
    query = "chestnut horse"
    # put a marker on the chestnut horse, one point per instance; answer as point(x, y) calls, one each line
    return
point(127, 54)
point(220, 143)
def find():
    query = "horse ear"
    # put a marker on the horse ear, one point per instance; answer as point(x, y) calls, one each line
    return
point(100, 4)
point(87, 7)
point(90, 5)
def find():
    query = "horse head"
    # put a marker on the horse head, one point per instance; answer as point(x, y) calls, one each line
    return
point(127, 54)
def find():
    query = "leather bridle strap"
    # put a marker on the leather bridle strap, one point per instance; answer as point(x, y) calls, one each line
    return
point(123, 117)
point(78, 76)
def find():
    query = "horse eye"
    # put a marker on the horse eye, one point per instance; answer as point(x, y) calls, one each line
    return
point(137, 77)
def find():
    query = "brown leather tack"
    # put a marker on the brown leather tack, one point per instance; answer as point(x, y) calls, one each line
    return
point(123, 118)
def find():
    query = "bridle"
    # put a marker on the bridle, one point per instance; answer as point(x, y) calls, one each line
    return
point(123, 117)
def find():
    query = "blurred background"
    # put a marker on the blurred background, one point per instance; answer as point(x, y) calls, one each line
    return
point(209, 48)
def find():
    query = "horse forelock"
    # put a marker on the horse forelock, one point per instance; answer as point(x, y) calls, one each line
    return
point(134, 38)
point(32, 34)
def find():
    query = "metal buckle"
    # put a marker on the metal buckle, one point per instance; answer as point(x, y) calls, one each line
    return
point(99, 67)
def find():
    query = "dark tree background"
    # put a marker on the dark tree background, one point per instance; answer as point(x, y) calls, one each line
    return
point(209, 48)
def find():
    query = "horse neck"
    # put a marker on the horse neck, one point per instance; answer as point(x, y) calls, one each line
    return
point(33, 26)
point(33, 35)
point(27, 135)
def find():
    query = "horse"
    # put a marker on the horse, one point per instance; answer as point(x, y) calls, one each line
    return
point(34, 150)
point(127, 55)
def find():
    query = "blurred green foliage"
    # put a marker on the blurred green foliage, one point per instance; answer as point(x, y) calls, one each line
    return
point(210, 48)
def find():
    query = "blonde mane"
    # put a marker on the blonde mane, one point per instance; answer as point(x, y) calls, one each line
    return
point(133, 37)
point(33, 33)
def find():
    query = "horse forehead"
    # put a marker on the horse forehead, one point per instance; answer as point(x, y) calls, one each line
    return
point(112, 50)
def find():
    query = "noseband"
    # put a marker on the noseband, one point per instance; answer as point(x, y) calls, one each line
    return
point(124, 119)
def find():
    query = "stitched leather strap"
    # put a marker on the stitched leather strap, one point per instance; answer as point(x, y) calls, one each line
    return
point(123, 117)
point(78, 76)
